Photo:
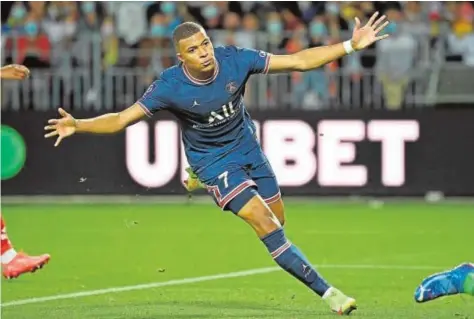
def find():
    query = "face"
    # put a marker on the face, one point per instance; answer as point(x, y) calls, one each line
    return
point(197, 52)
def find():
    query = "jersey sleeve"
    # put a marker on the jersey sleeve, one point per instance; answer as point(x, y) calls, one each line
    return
point(257, 61)
point(156, 97)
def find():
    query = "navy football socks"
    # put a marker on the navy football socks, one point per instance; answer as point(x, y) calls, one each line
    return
point(290, 258)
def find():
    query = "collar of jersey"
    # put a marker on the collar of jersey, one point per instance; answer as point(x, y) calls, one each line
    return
point(202, 82)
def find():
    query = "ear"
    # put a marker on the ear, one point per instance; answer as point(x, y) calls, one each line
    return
point(180, 58)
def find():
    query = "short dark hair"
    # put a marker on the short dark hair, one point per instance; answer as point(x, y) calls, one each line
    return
point(185, 30)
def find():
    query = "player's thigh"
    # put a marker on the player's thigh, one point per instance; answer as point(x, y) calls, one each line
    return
point(269, 190)
point(229, 188)
point(258, 215)
point(234, 191)
point(262, 174)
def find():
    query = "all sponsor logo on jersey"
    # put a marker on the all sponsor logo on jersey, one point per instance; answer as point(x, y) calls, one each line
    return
point(226, 112)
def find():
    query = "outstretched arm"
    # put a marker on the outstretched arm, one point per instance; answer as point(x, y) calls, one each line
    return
point(105, 124)
point(110, 123)
point(313, 58)
point(154, 99)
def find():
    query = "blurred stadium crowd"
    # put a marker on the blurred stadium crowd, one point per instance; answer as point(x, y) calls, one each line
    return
point(102, 48)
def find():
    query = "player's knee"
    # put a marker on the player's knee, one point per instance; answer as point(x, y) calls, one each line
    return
point(282, 220)
point(256, 213)
point(279, 210)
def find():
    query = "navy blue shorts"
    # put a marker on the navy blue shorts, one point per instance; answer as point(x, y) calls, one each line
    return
point(239, 178)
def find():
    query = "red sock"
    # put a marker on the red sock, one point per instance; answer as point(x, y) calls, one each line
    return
point(8, 253)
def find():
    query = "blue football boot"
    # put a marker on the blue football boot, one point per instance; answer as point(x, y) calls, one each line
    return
point(459, 280)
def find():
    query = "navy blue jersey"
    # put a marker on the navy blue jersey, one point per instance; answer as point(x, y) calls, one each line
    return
point(213, 118)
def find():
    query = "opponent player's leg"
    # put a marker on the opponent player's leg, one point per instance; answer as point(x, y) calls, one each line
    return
point(459, 280)
point(8, 252)
point(249, 206)
point(14, 264)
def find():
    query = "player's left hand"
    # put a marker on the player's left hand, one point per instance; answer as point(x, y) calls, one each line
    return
point(362, 37)
point(14, 72)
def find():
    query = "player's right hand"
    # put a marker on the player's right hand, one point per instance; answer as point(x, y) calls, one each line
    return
point(63, 127)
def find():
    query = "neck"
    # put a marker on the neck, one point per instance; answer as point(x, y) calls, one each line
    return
point(202, 76)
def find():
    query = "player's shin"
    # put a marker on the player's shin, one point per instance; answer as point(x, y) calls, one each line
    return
point(290, 258)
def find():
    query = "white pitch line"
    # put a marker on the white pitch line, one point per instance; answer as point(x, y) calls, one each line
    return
point(141, 287)
point(200, 279)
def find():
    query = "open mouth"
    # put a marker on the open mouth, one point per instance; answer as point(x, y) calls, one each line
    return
point(207, 63)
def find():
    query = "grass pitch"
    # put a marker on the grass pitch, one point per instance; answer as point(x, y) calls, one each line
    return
point(377, 255)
